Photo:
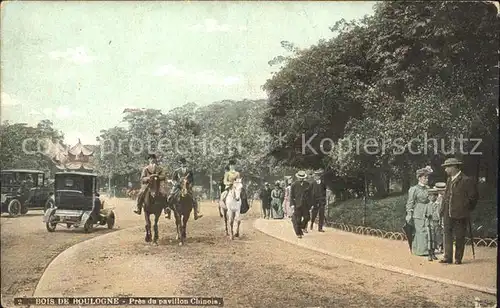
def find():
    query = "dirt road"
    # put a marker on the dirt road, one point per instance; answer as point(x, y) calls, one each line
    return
point(27, 248)
point(252, 271)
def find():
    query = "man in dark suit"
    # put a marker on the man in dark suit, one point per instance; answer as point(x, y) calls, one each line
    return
point(181, 173)
point(459, 200)
point(265, 198)
point(299, 200)
point(318, 200)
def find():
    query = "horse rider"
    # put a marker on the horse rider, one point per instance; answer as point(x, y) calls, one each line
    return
point(178, 176)
point(152, 169)
point(230, 177)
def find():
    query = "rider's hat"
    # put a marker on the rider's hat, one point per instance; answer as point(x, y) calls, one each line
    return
point(232, 161)
point(182, 160)
point(151, 155)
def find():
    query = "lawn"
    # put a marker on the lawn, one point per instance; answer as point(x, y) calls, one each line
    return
point(389, 213)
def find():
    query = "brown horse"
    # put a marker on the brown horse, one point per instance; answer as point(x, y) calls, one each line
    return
point(182, 207)
point(154, 203)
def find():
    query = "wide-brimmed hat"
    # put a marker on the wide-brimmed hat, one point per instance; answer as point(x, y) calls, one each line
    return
point(266, 184)
point(320, 171)
point(301, 174)
point(152, 155)
point(277, 183)
point(424, 171)
point(182, 160)
point(451, 162)
point(440, 186)
point(433, 190)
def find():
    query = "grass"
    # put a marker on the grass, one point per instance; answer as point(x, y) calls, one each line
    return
point(389, 214)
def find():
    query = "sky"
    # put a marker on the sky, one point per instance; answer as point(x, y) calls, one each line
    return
point(80, 64)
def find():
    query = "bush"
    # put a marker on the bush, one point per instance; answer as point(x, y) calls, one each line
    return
point(389, 214)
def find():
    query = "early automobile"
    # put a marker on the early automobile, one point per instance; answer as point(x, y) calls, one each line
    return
point(75, 202)
point(22, 190)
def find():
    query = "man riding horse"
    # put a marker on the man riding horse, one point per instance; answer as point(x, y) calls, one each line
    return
point(152, 169)
point(178, 176)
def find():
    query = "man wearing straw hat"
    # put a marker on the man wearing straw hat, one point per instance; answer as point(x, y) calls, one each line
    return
point(299, 197)
point(459, 200)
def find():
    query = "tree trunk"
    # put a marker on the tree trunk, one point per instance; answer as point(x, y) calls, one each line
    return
point(211, 187)
point(405, 180)
point(380, 182)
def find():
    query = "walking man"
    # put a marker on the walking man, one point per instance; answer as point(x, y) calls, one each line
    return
point(460, 199)
point(298, 202)
point(265, 198)
point(150, 170)
point(318, 201)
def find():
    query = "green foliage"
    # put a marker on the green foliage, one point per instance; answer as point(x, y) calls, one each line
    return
point(206, 136)
point(411, 68)
point(28, 147)
point(388, 214)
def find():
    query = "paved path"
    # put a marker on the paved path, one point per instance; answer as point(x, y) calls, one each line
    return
point(478, 274)
point(121, 264)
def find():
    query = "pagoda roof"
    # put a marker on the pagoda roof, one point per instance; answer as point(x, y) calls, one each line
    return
point(76, 166)
point(80, 148)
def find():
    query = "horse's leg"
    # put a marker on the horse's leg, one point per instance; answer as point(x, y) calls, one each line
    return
point(178, 224)
point(148, 227)
point(185, 219)
point(231, 222)
point(238, 222)
point(225, 220)
point(156, 235)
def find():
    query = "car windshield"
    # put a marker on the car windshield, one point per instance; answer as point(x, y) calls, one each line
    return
point(18, 178)
point(8, 179)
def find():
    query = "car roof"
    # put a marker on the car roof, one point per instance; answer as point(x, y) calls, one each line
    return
point(76, 173)
point(22, 171)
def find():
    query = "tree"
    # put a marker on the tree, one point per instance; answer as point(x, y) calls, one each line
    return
point(28, 147)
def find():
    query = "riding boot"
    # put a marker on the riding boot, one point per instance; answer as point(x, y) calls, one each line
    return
point(167, 210)
point(195, 208)
point(140, 200)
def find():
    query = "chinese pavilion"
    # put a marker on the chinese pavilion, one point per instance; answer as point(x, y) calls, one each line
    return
point(77, 158)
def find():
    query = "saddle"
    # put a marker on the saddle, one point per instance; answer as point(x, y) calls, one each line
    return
point(244, 200)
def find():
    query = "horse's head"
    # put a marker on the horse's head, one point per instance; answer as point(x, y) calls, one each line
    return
point(237, 188)
point(154, 185)
point(184, 187)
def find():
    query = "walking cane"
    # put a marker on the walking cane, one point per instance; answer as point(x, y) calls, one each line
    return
point(472, 240)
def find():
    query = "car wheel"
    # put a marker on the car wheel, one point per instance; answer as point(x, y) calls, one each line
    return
point(51, 226)
point(88, 226)
point(24, 209)
point(111, 220)
point(14, 207)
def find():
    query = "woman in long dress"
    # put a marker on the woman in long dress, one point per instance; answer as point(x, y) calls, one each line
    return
point(416, 206)
point(276, 202)
point(286, 200)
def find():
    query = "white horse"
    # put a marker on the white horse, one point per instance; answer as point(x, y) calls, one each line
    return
point(233, 206)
